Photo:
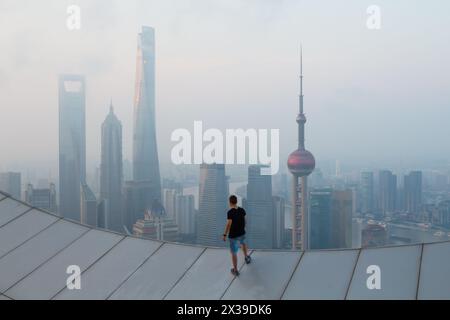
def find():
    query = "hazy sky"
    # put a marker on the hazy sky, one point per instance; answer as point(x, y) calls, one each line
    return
point(371, 96)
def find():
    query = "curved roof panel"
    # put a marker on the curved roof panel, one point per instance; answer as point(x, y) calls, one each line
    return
point(36, 247)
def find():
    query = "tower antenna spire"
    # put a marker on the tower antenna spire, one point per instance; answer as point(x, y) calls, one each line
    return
point(301, 80)
point(301, 118)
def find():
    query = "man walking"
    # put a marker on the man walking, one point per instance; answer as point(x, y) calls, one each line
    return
point(235, 229)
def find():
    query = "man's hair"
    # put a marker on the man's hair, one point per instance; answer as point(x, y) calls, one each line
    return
point(233, 199)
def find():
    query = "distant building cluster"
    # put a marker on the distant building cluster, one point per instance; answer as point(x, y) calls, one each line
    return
point(388, 198)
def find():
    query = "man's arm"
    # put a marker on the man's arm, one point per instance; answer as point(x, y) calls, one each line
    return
point(227, 229)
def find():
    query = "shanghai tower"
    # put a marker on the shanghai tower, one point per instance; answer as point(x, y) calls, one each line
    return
point(301, 163)
point(145, 151)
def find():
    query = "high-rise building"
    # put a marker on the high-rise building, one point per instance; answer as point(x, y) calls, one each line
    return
point(280, 185)
point(101, 215)
point(259, 209)
point(170, 198)
point(387, 192)
point(320, 223)
point(111, 172)
point(44, 198)
point(145, 151)
point(341, 222)
point(367, 193)
point(88, 206)
point(301, 163)
point(10, 182)
point(185, 216)
point(413, 192)
point(156, 228)
point(156, 225)
point(278, 224)
point(331, 218)
point(136, 201)
point(72, 144)
point(441, 215)
point(213, 199)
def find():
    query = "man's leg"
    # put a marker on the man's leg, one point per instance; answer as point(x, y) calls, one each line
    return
point(233, 250)
point(234, 260)
point(244, 249)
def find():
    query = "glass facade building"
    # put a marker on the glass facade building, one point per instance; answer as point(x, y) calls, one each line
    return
point(72, 144)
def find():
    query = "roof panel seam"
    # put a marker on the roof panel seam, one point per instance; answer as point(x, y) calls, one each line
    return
point(231, 282)
point(15, 218)
point(353, 274)
point(4, 294)
point(132, 273)
point(47, 260)
point(184, 273)
point(93, 263)
point(420, 269)
point(302, 253)
point(29, 239)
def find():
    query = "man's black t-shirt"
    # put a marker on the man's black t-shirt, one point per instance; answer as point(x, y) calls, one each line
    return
point(237, 216)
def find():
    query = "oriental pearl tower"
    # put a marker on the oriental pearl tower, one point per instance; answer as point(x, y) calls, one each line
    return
point(301, 163)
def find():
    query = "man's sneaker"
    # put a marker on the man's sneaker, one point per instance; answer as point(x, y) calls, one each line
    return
point(234, 272)
point(248, 259)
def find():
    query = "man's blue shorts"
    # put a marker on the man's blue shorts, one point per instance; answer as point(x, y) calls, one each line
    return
point(235, 243)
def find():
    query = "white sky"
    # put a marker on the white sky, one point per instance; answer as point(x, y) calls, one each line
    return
point(378, 96)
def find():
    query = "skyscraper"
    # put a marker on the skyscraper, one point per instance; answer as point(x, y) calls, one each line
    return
point(170, 196)
point(111, 173)
point(320, 223)
point(413, 192)
point(10, 182)
point(341, 222)
point(145, 152)
point(213, 195)
point(44, 198)
point(185, 213)
point(259, 209)
point(137, 201)
point(101, 214)
point(367, 193)
point(72, 144)
point(301, 163)
point(88, 206)
point(331, 218)
point(387, 191)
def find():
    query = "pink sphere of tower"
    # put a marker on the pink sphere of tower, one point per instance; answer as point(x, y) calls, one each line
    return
point(301, 162)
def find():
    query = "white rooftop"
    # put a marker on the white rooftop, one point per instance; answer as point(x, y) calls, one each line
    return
point(36, 247)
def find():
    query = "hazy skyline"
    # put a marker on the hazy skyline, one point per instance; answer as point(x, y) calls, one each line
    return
point(371, 96)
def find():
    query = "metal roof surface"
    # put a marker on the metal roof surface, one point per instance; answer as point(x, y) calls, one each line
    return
point(36, 247)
